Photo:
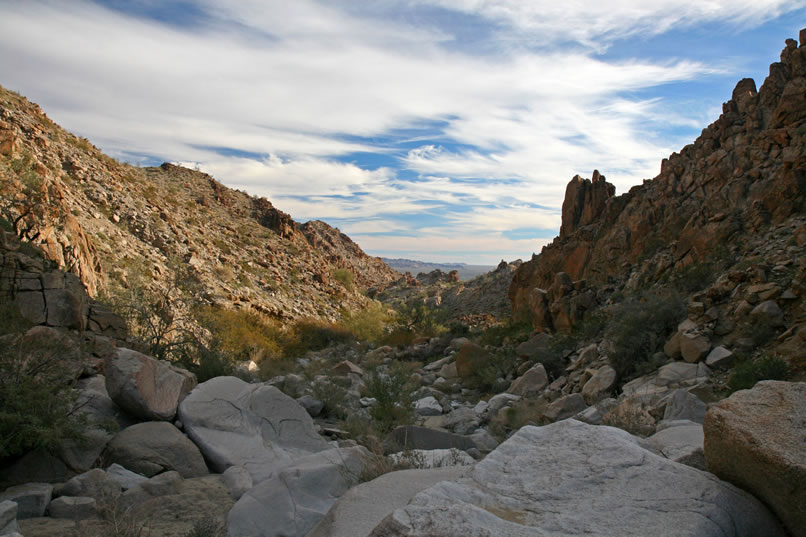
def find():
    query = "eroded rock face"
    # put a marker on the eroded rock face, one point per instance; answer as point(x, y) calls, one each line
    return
point(251, 425)
point(755, 439)
point(145, 387)
point(743, 173)
point(575, 479)
point(585, 199)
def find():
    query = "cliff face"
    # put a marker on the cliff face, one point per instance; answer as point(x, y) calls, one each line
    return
point(744, 173)
point(114, 225)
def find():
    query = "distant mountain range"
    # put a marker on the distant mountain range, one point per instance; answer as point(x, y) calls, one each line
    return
point(465, 271)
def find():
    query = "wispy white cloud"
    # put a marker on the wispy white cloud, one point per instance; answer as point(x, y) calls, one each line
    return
point(300, 85)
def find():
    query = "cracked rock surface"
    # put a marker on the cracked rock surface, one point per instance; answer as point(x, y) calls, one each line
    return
point(251, 425)
point(570, 478)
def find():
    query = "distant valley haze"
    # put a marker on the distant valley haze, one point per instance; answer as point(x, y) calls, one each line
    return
point(438, 130)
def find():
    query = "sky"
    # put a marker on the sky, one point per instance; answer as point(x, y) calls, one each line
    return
point(436, 130)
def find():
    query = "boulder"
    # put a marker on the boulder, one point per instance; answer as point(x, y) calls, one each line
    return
point(565, 407)
point(497, 402)
point(534, 347)
point(570, 478)
point(164, 484)
point(312, 406)
point(147, 388)
point(363, 507)
point(600, 384)
point(683, 405)
point(95, 483)
point(769, 312)
point(719, 357)
point(346, 367)
point(530, 383)
point(153, 447)
point(37, 466)
point(427, 406)
point(8, 517)
point(237, 480)
point(694, 347)
point(755, 439)
point(251, 425)
point(298, 496)
point(32, 498)
point(125, 478)
point(682, 374)
point(73, 507)
point(683, 444)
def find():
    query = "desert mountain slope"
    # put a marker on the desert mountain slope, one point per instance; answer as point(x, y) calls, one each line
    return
point(112, 224)
point(712, 201)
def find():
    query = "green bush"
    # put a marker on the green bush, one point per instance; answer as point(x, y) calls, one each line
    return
point(344, 277)
point(638, 328)
point(746, 374)
point(37, 402)
point(333, 397)
point(391, 387)
point(367, 324)
point(413, 321)
point(241, 335)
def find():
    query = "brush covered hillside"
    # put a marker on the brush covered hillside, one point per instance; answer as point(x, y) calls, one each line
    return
point(116, 225)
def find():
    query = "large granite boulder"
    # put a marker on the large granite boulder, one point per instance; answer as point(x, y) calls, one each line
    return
point(363, 507)
point(291, 502)
point(154, 447)
point(251, 425)
point(570, 478)
point(144, 386)
point(756, 440)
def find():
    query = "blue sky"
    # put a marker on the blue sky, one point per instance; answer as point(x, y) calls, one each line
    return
point(440, 130)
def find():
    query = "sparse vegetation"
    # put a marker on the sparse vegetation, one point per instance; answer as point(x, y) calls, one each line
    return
point(391, 387)
point(344, 277)
point(638, 328)
point(37, 402)
point(747, 373)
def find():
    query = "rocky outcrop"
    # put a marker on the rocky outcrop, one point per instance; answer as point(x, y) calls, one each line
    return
point(342, 252)
point(744, 173)
point(573, 479)
point(585, 200)
point(755, 439)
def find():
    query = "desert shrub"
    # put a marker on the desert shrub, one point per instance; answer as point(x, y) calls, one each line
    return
point(638, 328)
point(240, 334)
point(344, 277)
point(313, 335)
point(768, 367)
point(391, 387)
point(333, 397)
point(512, 331)
point(37, 402)
point(367, 324)
point(412, 321)
point(208, 526)
point(523, 412)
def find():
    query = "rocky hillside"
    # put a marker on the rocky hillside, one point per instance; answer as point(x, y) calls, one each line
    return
point(712, 209)
point(116, 225)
